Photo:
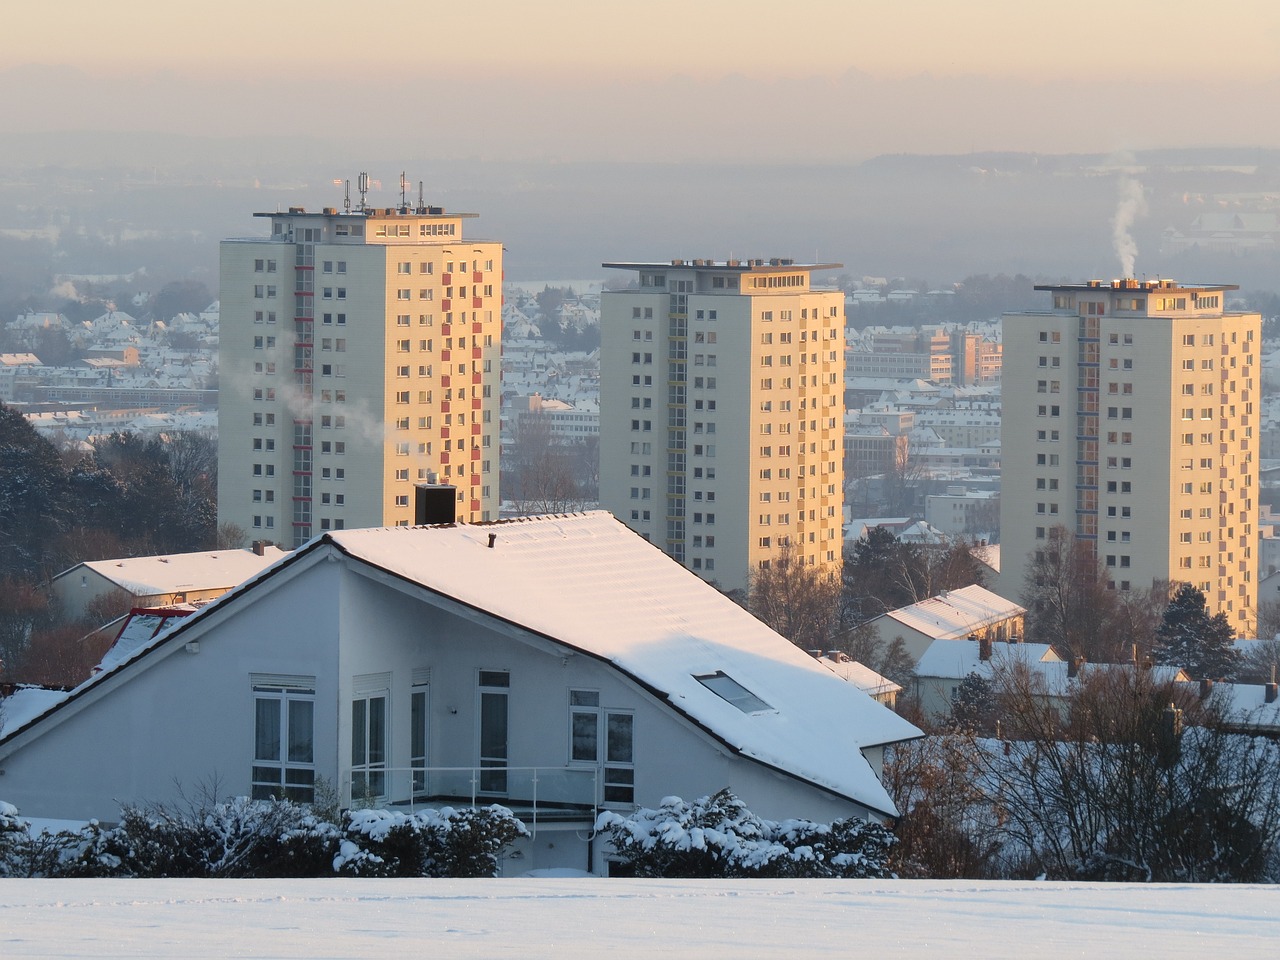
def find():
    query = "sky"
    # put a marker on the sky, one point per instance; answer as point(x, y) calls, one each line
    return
point(758, 38)
point(568, 919)
point(661, 80)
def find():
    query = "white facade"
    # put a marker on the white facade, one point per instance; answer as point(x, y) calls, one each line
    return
point(721, 413)
point(1131, 418)
point(359, 354)
point(559, 665)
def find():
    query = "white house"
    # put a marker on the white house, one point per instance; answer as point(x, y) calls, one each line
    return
point(555, 664)
point(160, 580)
point(946, 663)
point(952, 615)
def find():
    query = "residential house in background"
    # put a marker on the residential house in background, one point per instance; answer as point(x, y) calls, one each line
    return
point(159, 581)
point(952, 615)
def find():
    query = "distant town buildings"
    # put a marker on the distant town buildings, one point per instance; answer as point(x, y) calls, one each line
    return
point(721, 414)
point(360, 353)
point(1131, 419)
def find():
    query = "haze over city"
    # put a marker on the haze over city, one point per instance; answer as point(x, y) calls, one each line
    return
point(585, 131)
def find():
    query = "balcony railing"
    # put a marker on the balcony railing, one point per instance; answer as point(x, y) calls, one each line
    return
point(534, 794)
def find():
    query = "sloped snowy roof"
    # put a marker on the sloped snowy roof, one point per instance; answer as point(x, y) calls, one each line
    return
point(957, 613)
point(139, 629)
point(860, 675)
point(1245, 705)
point(955, 659)
point(174, 573)
point(590, 583)
point(25, 704)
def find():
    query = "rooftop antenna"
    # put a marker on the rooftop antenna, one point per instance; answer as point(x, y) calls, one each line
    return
point(346, 203)
point(362, 184)
point(404, 199)
point(422, 204)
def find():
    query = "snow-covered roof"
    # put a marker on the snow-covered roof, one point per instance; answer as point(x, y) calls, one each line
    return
point(590, 583)
point(179, 572)
point(140, 628)
point(861, 676)
point(956, 613)
point(955, 659)
point(1245, 705)
point(25, 704)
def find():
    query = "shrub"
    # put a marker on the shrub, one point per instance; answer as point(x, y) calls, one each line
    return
point(717, 836)
point(263, 839)
point(447, 842)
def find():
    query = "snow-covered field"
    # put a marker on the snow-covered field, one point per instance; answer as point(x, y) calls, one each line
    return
point(568, 918)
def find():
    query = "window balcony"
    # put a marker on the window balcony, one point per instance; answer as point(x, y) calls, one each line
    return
point(534, 794)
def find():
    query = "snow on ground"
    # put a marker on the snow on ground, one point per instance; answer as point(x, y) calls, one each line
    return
point(571, 918)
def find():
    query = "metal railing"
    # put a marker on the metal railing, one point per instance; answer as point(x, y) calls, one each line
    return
point(533, 794)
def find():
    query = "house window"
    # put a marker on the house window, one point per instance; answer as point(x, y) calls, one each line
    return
point(284, 741)
point(494, 687)
point(584, 726)
point(419, 703)
point(619, 766)
point(369, 738)
point(728, 689)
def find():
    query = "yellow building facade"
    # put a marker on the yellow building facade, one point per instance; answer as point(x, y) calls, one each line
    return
point(721, 413)
point(1131, 418)
point(360, 353)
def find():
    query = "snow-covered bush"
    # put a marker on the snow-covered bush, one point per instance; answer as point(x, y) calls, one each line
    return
point(717, 836)
point(233, 838)
point(13, 830)
point(263, 838)
point(447, 842)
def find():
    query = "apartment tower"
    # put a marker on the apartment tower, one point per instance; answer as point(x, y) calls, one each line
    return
point(359, 354)
point(721, 412)
point(1131, 419)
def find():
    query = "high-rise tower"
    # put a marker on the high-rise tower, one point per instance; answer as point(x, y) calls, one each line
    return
point(1131, 419)
point(359, 354)
point(721, 412)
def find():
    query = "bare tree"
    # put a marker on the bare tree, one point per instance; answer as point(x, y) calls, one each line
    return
point(539, 475)
point(1067, 600)
point(1129, 779)
point(905, 473)
point(799, 601)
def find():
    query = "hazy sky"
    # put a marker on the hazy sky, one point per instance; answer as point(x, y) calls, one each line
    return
point(760, 38)
point(657, 79)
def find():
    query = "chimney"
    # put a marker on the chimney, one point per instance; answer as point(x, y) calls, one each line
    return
point(1271, 691)
point(434, 503)
point(984, 648)
point(1206, 688)
point(1074, 665)
point(259, 548)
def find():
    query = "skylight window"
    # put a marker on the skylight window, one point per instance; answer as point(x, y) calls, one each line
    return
point(729, 689)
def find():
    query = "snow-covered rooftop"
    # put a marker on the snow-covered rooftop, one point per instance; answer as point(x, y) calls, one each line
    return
point(178, 572)
point(587, 581)
point(956, 613)
point(955, 659)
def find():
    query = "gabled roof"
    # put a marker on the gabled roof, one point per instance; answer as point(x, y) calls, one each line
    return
point(590, 585)
point(956, 659)
point(588, 582)
point(179, 572)
point(956, 613)
point(861, 676)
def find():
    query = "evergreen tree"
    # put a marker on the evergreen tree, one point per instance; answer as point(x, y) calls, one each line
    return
point(1190, 638)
